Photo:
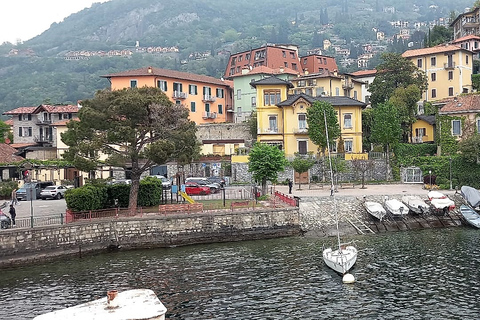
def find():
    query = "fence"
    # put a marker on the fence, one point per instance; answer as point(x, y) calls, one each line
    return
point(31, 222)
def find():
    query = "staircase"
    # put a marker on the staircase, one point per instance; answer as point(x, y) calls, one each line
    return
point(360, 226)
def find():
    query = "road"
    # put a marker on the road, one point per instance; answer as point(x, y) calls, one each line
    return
point(39, 207)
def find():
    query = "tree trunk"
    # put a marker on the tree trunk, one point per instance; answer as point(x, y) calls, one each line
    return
point(132, 204)
point(264, 186)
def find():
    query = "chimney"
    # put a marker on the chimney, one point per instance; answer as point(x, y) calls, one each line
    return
point(245, 70)
point(306, 71)
point(149, 70)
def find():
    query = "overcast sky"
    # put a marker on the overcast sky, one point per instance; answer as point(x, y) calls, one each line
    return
point(25, 19)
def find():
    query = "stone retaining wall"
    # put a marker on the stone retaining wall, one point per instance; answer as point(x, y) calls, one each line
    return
point(19, 246)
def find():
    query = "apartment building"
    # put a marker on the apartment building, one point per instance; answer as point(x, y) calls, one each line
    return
point(366, 77)
point(467, 23)
point(448, 68)
point(208, 99)
point(470, 42)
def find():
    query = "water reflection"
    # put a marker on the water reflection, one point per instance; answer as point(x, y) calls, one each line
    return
point(411, 275)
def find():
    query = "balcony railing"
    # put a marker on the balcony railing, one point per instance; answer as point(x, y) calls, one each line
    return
point(179, 95)
point(268, 130)
point(208, 98)
point(43, 138)
point(300, 130)
point(44, 121)
point(347, 84)
point(209, 115)
point(449, 65)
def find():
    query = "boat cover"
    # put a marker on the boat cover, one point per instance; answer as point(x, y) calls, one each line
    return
point(471, 195)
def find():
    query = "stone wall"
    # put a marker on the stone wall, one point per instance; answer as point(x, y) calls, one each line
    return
point(31, 245)
point(224, 131)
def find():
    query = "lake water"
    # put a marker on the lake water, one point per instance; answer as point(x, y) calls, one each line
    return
point(428, 274)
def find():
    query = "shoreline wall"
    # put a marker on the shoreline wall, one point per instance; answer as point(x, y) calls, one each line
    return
point(23, 246)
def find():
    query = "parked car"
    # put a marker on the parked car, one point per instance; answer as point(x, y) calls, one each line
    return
point(5, 221)
point(37, 186)
point(166, 184)
point(214, 187)
point(193, 188)
point(53, 192)
point(217, 179)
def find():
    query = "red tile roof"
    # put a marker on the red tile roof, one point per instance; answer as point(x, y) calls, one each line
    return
point(462, 104)
point(7, 154)
point(43, 107)
point(466, 38)
point(151, 71)
point(22, 145)
point(64, 122)
point(21, 110)
point(363, 73)
point(432, 50)
point(9, 122)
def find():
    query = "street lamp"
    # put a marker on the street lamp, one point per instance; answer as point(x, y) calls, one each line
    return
point(450, 173)
point(430, 175)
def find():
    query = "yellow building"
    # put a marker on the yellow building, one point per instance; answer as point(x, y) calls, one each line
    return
point(423, 129)
point(448, 68)
point(282, 119)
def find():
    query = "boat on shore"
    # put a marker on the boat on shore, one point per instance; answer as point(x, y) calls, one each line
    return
point(127, 305)
point(471, 197)
point(396, 208)
point(415, 204)
point(471, 216)
point(375, 209)
point(435, 195)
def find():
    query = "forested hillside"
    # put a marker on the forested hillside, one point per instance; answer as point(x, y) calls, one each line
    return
point(39, 72)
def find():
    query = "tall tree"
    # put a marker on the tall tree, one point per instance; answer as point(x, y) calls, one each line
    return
point(395, 72)
point(386, 129)
point(134, 128)
point(316, 115)
point(405, 100)
point(265, 161)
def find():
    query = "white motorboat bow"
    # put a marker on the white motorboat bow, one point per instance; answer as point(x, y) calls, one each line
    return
point(442, 205)
point(396, 208)
point(415, 204)
point(375, 209)
point(435, 195)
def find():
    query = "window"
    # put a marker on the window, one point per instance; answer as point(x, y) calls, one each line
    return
point(247, 56)
point(64, 116)
point(207, 91)
point(239, 94)
point(294, 66)
point(419, 63)
point(272, 124)
point(24, 117)
point(433, 61)
point(192, 106)
point(355, 95)
point(456, 127)
point(348, 145)
point(284, 54)
point(420, 132)
point(309, 91)
point(450, 75)
point(133, 83)
point(177, 86)
point(25, 131)
point(162, 85)
point(434, 93)
point(434, 76)
point(254, 102)
point(466, 59)
point(319, 91)
point(292, 55)
point(192, 89)
point(450, 91)
point(178, 102)
point(220, 109)
point(347, 120)
point(285, 64)
point(302, 121)
point(324, 60)
point(305, 61)
point(337, 91)
point(207, 107)
point(271, 98)
point(220, 93)
point(302, 147)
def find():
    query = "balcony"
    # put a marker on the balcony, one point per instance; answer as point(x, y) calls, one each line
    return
point(43, 138)
point(209, 115)
point(300, 131)
point(347, 84)
point(43, 121)
point(208, 98)
point(418, 139)
point(449, 65)
point(179, 95)
point(268, 130)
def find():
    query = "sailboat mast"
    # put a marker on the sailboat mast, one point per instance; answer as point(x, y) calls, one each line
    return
point(332, 187)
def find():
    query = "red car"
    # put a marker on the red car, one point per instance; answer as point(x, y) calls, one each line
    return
point(193, 188)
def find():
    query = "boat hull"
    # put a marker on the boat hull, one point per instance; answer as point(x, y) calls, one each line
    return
point(471, 216)
point(396, 208)
point(340, 260)
point(415, 204)
point(375, 209)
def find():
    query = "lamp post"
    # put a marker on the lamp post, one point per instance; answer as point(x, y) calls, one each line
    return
point(31, 206)
point(430, 175)
point(450, 173)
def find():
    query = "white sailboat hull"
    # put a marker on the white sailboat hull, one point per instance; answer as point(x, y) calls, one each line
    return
point(396, 208)
point(340, 260)
point(375, 209)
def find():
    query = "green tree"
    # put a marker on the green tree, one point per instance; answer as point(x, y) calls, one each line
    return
point(395, 72)
point(265, 161)
point(317, 114)
point(134, 128)
point(405, 100)
point(386, 129)
point(301, 164)
point(438, 35)
point(470, 149)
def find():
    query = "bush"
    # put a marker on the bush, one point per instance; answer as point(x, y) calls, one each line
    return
point(88, 197)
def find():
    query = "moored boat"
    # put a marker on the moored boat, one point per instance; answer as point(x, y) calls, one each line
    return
point(471, 196)
point(471, 216)
point(435, 195)
point(442, 205)
point(396, 208)
point(415, 204)
point(375, 209)
point(342, 259)
point(127, 305)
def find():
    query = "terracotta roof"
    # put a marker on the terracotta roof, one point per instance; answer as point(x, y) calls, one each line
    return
point(22, 145)
point(64, 122)
point(462, 104)
point(334, 101)
point(9, 122)
point(466, 38)
point(363, 73)
point(432, 50)
point(7, 154)
point(151, 71)
point(273, 80)
point(21, 110)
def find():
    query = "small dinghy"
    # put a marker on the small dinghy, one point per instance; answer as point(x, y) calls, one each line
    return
point(435, 195)
point(442, 205)
point(375, 209)
point(415, 204)
point(471, 216)
point(396, 208)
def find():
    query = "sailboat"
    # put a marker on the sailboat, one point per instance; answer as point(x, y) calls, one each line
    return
point(344, 257)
